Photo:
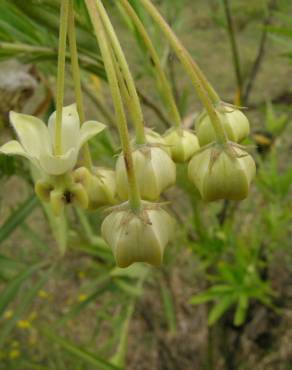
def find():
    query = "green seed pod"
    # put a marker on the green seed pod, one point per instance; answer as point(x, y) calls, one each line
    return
point(155, 172)
point(235, 124)
point(182, 144)
point(101, 187)
point(138, 237)
point(222, 173)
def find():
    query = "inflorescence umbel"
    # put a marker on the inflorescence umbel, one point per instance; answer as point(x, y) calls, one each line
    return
point(137, 227)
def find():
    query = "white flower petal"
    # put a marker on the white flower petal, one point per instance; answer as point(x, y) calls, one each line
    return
point(32, 133)
point(58, 165)
point(70, 127)
point(88, 130)
point(13, 147)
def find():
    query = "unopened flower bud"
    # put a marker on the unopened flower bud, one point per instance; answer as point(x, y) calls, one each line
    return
point(155, 172)
point(235, 124)
point(102, 188)
point(81, 176)
point(182, 144)
point(138, 237)
point(222, 173)
point(78, 196)
point(153, 137)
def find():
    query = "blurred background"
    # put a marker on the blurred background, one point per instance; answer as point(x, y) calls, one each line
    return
point(223, 298)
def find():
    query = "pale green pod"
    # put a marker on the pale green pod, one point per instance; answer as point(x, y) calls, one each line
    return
point(222, 175)
point(235, 123)
point(182, 144)
point(155, 172)
point(138, 239)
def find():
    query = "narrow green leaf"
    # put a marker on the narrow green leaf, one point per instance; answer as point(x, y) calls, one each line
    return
point(9, 268)
point(169, 308)
point(241, 310)
point(25, 302)
point(17, 217)
point(87, 357)
point(220, 308)
point(11, 289)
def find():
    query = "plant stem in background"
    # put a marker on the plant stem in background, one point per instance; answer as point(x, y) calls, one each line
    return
point(166, 89)
point(172, 38)
point(134, 195)
point(151, 104)
point(261, 53)
point(122, 84)
point(139, 120)
point(77, 78)
point(234, 49)
point(192, 69)
point(106, 113)
point(61, 74)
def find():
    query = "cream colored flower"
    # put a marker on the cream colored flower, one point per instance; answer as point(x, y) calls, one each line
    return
point(36, 141)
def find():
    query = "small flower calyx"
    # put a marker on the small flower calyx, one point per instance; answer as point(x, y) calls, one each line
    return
point(137, 236)
point(182, 144)
point(155, 172)
point(222, 172)
point(235, 124)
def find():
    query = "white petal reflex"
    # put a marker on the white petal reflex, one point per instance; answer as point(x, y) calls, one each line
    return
point(58, 165)
point(70, 127)
point(32, 133)
point(88, 130)
point(13, 147)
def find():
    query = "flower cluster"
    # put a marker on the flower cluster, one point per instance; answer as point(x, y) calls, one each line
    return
point(139, 228)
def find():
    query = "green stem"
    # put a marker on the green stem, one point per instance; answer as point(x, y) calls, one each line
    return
point(77, 79)
point(234, 49)
point(134, 195)
point(139, 120)
point(157, 64)
point(61, 75)
point(123, 88)
point(191, 68)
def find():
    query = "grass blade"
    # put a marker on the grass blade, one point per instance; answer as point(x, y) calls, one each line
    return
point(87, 357)
point(25, 302)
point(17, 217)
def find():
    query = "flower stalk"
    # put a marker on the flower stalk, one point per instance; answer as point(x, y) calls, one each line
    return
point(133, 191)
point(137, 110)
point(206, 93)
point(64, 14)
point(77, 79)
point(165, 86)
